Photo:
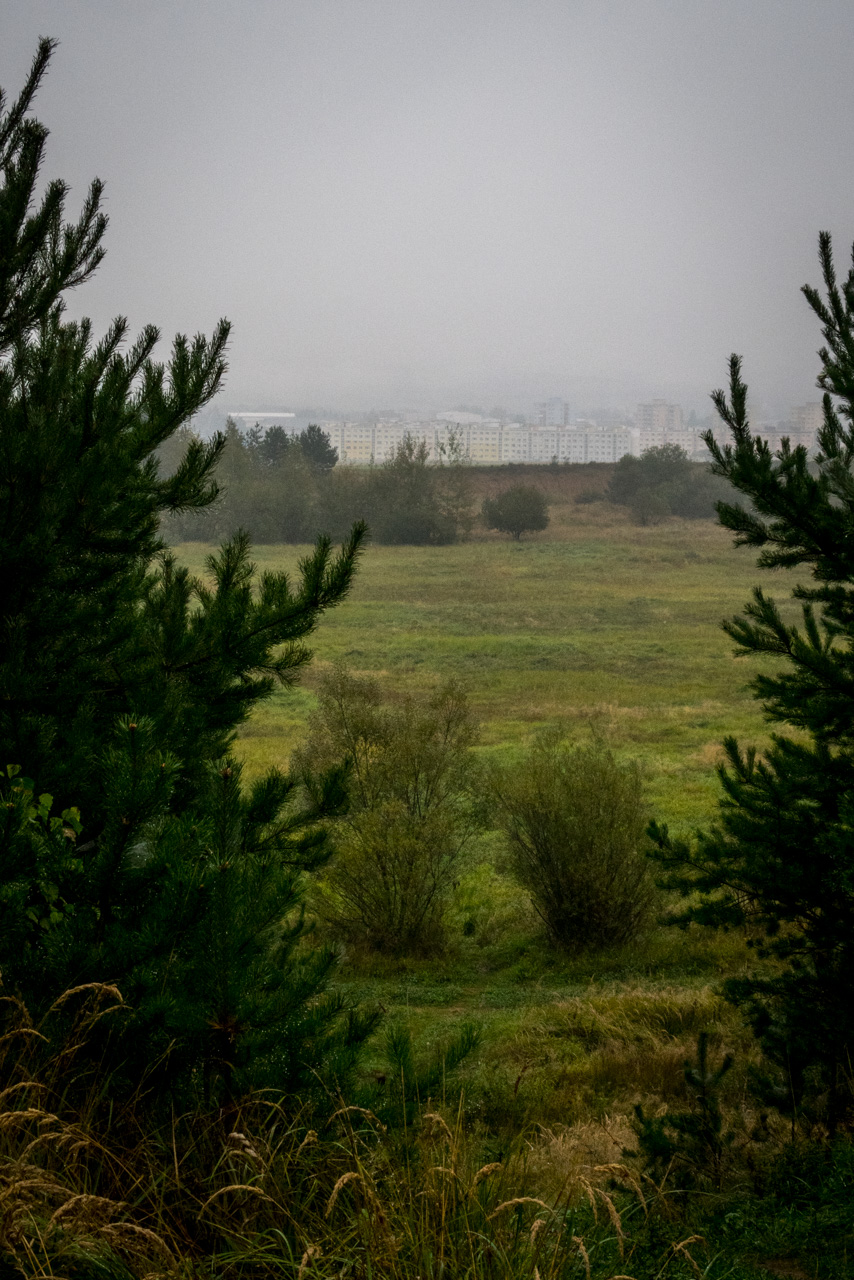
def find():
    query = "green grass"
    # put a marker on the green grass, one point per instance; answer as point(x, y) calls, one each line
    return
point(596, 622)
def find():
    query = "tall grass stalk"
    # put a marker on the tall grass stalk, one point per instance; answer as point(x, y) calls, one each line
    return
point(264, 1189)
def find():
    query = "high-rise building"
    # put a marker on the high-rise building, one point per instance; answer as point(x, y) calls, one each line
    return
point(658, 419)
point(807, 419)
point(552, 413)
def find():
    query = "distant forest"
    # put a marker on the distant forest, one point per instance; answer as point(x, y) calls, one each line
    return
point(285, 488)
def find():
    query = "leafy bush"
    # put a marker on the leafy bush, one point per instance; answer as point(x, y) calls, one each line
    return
point(403, 499)
point(649, 506)
point(411, 808)
point(665, 482)
point(522, 509)
point(573, 819)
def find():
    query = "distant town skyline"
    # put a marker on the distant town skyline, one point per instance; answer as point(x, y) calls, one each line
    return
point(551, 435)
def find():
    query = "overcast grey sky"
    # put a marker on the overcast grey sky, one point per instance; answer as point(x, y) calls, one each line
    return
point(435, 201)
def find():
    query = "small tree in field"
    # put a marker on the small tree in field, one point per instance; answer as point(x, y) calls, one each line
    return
point(404, 500)
point(522, 509)
point(573, 819)
point(411, 812)
point(782, 851)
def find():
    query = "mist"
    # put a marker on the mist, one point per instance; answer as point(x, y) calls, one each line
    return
point(431, 203)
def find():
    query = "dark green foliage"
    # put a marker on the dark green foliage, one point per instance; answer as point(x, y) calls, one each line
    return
point(782, 853)
point(267, 486)
point(411, 816)
point(665, 482)
point(411, 500)
point(404, 502)
point(123, 681)
point(800, 1219)
point(197, 914)
point(269, 448)
point(39, 870)
point(687, 1148)
point(40, 254)
point(573, 819)
point(406, 1085)
point(284, 488)
point(521, 509)
point(317, 448)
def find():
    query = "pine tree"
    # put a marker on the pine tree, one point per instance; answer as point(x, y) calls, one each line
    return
point(782, 851)
point(688, 1147)
point(123, 679)
point(318, 448)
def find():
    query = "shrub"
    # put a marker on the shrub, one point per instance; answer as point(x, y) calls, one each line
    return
point(519, 510)
point(573, 819)
point(411, 808)
point(649, 506)
point(665, 482)
point(403, 502)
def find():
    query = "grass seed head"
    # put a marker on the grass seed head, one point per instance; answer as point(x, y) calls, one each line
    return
point(342, 1182)
point(486, 1171)
point(312, 1252)
point(578, 1241)
point(511, 1204)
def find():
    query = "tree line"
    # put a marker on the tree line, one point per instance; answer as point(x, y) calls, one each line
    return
point(284, 488)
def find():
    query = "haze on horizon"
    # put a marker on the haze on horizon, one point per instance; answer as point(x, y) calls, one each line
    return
point(427, 202)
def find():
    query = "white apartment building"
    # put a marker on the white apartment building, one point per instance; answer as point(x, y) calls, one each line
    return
point(515, 443)
point(552, 413)
point(659, 423)
point(482, 440)
point(808, 419)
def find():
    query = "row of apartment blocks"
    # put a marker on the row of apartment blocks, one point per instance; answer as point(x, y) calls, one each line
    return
point(488, 440)
point(483, 442)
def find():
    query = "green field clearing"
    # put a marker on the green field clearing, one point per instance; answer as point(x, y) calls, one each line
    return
point(595, 622)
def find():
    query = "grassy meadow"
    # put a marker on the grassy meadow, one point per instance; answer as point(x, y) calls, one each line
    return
point(595, 623)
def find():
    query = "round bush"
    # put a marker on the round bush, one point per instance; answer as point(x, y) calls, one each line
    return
point(574, 821)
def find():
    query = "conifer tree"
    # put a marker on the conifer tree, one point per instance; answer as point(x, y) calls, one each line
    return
point(123, 679)
point(318, 448)
point(782, 851)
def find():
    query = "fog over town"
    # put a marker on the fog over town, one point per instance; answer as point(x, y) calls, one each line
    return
point(416, 209)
